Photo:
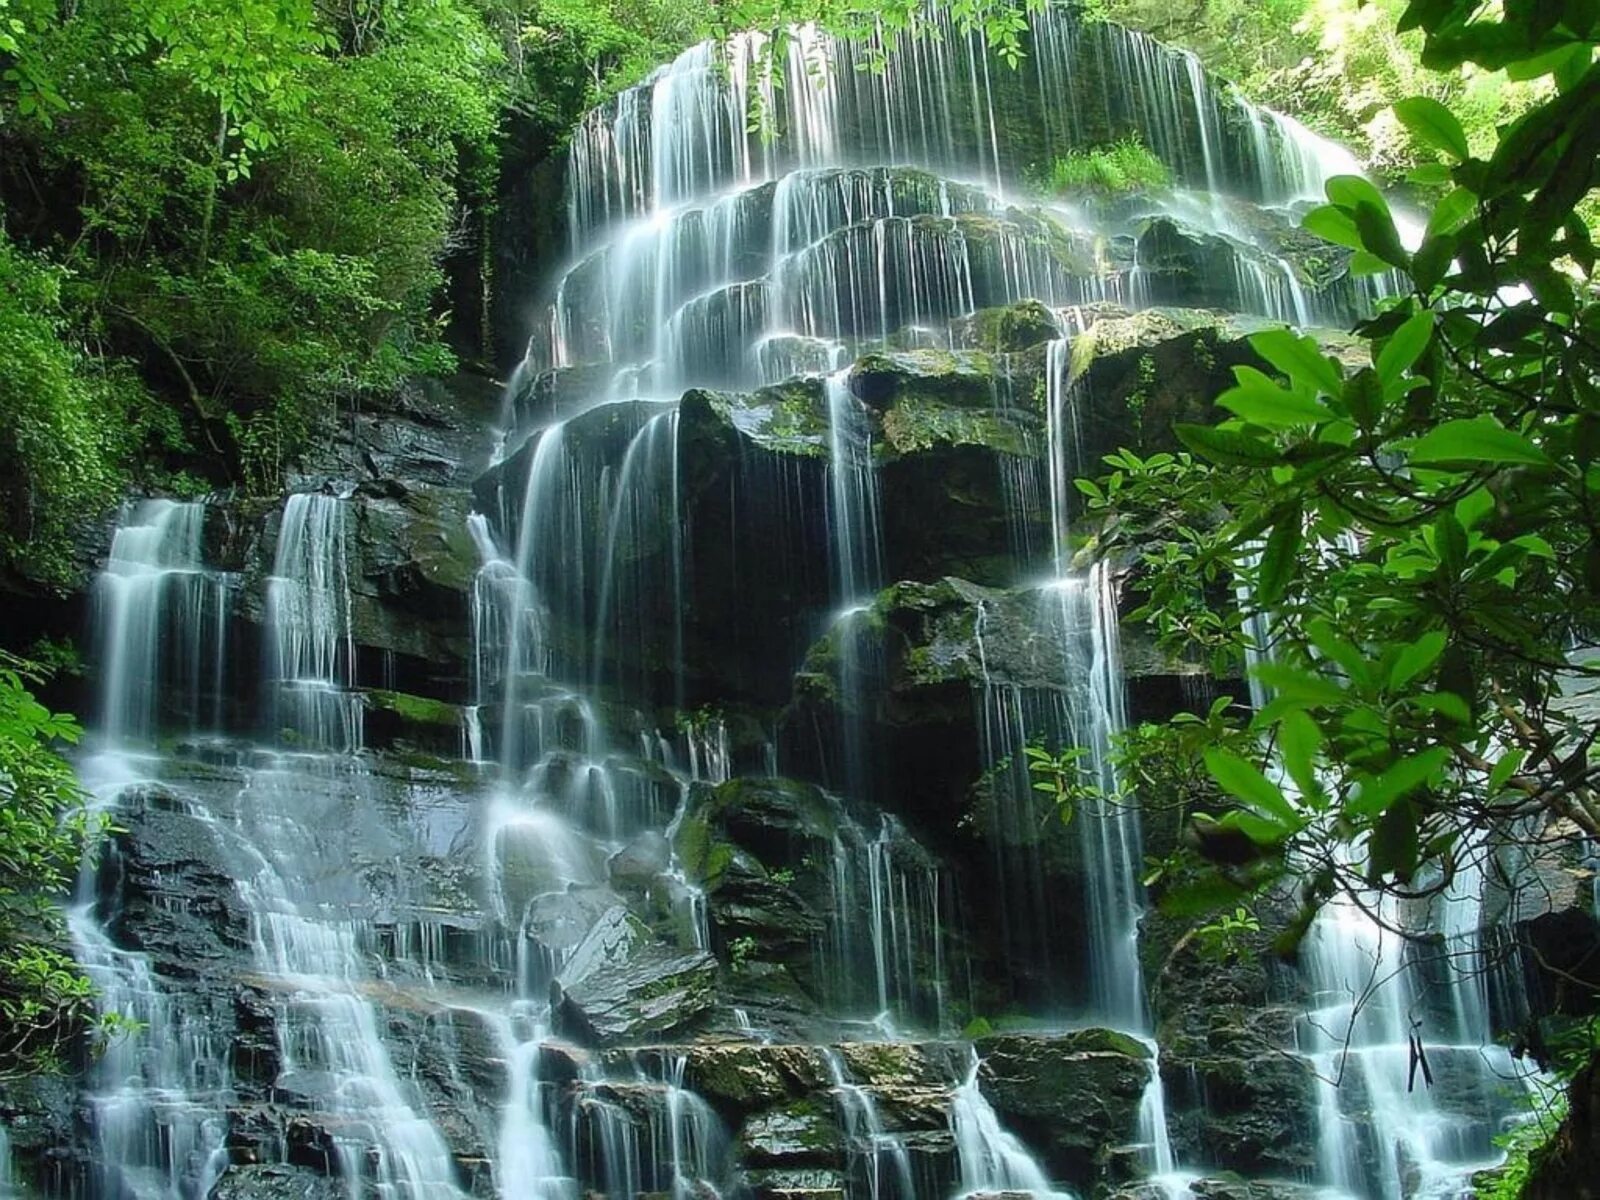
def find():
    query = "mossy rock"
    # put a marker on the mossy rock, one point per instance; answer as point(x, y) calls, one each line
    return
point(959, 378)
point(799, 1133)
point(402, 721)
point(1007, 330)
point(1073, 1097)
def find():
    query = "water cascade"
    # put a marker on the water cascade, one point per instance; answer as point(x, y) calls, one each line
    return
point(666, 825)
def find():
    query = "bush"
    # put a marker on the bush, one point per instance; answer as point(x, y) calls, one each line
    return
point(1111, 170)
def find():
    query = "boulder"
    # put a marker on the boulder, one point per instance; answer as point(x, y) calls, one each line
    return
point(802, 1132)
point(619, 986)
point(1072, 1097)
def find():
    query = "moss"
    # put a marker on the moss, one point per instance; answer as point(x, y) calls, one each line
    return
point(416, 710)
point(789, 418)
point(915, 424)
point(718, 858)
point(692, 844)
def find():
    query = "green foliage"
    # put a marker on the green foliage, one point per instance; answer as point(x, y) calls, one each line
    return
point(1113, 170)
point(45, 1001)
point(741, 950)
point(66, 420)
point(258, 259)
point(1413, 541)
point(1226, 938)
point(1338, 65)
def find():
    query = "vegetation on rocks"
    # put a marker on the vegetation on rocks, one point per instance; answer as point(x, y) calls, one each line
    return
point(1114, 170)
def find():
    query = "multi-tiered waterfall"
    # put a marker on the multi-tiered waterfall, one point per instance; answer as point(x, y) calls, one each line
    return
point(702, 856)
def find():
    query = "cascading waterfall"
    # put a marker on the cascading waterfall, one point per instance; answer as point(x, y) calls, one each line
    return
point(882, 1157)
point(312, 639)
point(1374, 991)
point(992, 1160)
point(707, 261)
point(158, 1093)
point(160, 621)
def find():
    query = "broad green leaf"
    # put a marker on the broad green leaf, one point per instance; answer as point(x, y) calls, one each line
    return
point(1507, 766)
point(1301, 741)
point(1480, 440)
point(1352, 191)
point(1230, 447)
point(1379, 235)
point(1278, 558)
point(1474, 506)
point(1446, 704)
point(1243, 781)
point(1377, 794)
point(1363, 397)
point(1404, 347)
point(1452, 212)
point(1332, 224)
point(1434, 125)
point(1416, 658)
point(1300, 359)
point(1304, 686)
point(1261, 402)
point(1332, 646)
point(1393, 846)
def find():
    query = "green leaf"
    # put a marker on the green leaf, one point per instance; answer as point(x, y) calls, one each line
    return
point(1352, 191)
point(1243, 781)
point(1404, 776)
point(1229, 447)
point(1351, 660)
point(1300, 359)
point(1304, 686)
point(1301, 741)
point(1363, 397)
point(1480, 440)
point(1507, 766)
point(1417, 658)
point(1452, 212)
point(1434, 125)
point(1332, 224)
point(1432, 260)
point(1393, 847)
point(1261, 402)
point(1278, 558)
point(1401, 351)
point(1446, 704)
point(1379, 236)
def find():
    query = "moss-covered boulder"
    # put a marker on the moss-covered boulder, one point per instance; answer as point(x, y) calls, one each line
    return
point(418, 722)
point(799, 1133)
point(1007, 329)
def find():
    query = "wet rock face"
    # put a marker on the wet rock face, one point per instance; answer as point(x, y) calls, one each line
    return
point(621, 987)
point(1072, 1097)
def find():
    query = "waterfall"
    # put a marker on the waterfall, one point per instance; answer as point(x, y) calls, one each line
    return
point(880, 1156)
point(159, 622)
point(992, 1160)
point(312, 637)
point(160, 1089)
point(762, 290)
point(1385, 1131)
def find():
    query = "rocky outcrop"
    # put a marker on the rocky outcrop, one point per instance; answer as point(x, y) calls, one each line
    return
point(619, 986)
point(1073, 1097)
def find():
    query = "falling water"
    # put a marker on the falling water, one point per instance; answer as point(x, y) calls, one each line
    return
point(312, 636)
point(880, 1156)
point(703, 255)
point(992, 1160)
